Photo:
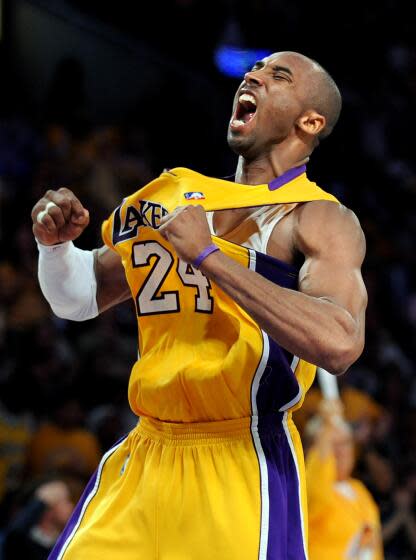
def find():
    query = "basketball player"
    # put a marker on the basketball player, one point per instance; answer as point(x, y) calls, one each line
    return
point(240, 289)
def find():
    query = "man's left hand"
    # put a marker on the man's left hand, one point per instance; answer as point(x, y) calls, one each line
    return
point(188, 231)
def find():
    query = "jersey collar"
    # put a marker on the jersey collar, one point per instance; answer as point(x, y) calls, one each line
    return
point(286, 177)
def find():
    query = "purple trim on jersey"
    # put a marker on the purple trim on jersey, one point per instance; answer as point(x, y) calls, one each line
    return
point(286, 177)
point(278, 384)
point(277, 271)
point(90, 490)
point(285, 538)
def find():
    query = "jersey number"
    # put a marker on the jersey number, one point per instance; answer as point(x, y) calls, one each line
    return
point(151, 299)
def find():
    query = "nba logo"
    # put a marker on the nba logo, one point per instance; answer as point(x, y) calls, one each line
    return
point(194, 195)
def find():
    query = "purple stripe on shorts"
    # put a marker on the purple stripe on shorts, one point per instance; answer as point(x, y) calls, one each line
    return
point(285, 539)
point(79, 511)
point(73, 520)
point(286, 177)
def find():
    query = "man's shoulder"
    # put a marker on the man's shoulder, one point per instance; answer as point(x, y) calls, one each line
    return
point(324, 225)
point(327, 215)
point(323, 208)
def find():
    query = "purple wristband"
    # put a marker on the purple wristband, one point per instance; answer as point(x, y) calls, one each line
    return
point(204, 254)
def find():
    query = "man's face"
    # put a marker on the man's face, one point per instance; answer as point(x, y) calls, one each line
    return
point(267, 103)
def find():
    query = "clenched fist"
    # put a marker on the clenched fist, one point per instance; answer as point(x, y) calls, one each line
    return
point(59, 216)
point(188, 231)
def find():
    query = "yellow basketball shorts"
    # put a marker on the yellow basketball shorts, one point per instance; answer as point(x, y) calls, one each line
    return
point(205, 491)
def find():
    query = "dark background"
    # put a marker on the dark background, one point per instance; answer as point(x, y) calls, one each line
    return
point(100, 98)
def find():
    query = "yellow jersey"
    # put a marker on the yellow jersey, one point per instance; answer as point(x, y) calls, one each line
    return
point(214, 468)
point(200, 354)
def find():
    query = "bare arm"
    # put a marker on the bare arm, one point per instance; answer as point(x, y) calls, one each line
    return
point(112, 286)
point(331, 239)
point(323, 322)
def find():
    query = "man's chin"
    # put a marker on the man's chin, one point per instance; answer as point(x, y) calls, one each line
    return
point(240, 144)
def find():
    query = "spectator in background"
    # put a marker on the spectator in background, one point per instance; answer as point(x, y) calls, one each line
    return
point(63, 443)
point(343, 517)
point(15, 433)
point(36, 527)
point(361, 411)
point(399, 526)
point(396, 498)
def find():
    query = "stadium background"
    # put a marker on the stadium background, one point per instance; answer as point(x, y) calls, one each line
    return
point(100, 99)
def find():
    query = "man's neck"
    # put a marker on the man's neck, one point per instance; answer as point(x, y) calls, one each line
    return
point(265, 169)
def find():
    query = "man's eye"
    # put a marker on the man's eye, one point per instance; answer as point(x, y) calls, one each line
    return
point(279, 77)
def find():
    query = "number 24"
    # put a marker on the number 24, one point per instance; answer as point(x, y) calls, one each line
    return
point(150, 300)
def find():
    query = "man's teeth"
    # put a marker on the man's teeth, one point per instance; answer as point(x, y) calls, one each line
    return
point(247, 97)
point(238, 122)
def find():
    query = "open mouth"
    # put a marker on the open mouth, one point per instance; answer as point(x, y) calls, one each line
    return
point(244, 112)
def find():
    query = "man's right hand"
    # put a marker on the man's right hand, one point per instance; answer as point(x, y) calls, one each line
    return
point(58, 217)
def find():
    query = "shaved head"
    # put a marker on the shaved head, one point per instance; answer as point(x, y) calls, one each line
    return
point(320, 91)
point(324, 96)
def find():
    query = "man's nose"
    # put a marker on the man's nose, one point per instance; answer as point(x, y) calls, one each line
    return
point(253, 78)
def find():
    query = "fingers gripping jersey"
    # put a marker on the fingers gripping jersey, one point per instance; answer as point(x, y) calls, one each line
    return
point(201, 356)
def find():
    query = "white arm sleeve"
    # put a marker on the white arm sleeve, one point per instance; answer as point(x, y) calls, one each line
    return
point(67, 279)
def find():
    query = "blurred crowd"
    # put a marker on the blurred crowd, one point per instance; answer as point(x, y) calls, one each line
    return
point(63, 385)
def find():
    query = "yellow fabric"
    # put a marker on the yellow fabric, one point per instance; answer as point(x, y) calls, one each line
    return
point(194, 365)
point(340, 527)
point(162, 491)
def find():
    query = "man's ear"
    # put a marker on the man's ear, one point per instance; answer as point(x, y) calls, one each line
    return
point(311, 122)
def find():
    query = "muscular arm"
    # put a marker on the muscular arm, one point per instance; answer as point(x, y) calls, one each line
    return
point(112, 286)
point(323, 322)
